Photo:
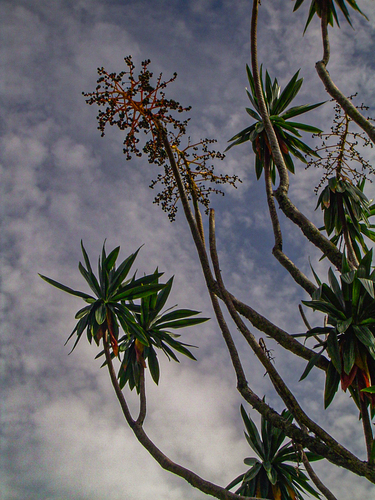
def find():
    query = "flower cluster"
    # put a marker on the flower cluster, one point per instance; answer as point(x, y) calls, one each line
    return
point(194, 166)
point(134, 105)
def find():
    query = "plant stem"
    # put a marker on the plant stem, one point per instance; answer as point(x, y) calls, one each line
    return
point(165, 462)
point(333, 91)
point(315, 479)
point(277, 250)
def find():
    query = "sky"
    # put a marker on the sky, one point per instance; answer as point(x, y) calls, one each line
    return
point(62, 434)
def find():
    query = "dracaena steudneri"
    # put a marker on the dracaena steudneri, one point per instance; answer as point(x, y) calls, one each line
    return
point(349, 334)
point(341, 198)
point(287, 132)
point(113, 308)
point(271, 476)
point(316, 7)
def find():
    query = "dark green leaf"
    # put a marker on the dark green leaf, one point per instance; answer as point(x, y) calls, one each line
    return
point(137, 292)
point(100, 314)
point(253, 438)
point(348, 353)
point(333, 350)
point(251, 461)
point(82, 312)
point(91, 280)
point(364, 335)
point(111, 259)
point(299, 110)
point(331, 385)
point(181, 323)
point(65, 288)
point(153, 364)
point(312, 362)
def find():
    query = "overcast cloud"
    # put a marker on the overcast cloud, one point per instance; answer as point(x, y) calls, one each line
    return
point(62, 433)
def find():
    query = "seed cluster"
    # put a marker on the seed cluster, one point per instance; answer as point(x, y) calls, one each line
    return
point(341, 156)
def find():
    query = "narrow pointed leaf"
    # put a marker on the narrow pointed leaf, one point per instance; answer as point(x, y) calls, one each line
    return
point(65, 288)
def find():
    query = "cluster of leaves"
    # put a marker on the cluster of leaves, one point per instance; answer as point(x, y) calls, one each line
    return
point(195, 169)
point(136, 105)
point(348, 336)
point(316, 7)
point(340, 198)
point(286, 130)
point(151, 333)
point(270, 477)
point(113, 307)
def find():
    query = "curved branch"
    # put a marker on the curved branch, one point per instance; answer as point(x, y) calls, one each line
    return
point(333, 91)
point(277, 250)
point(349, 462)
point(255, 318)
point(315, 479)
point(283, 338)
point(274, 143)
point(165, 462)
point(309, 229)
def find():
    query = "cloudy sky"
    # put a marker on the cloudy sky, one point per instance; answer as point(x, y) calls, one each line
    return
point(62, 432)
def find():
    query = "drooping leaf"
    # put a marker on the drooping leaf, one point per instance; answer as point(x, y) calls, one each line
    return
point(331, 385)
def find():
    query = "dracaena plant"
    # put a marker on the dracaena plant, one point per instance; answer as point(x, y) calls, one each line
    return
point(150, 331)
point(316, 7)
point(348, 336)
point(287, 132)
point(346, 207)
point(104, 311)
point(269, 475)
point(113, 307)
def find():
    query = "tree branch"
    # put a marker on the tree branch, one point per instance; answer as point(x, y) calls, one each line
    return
point(277, 250)
point(309, 229)
point(311, 232)
point(333, 91)
point(286, 395)
point(313, 443)
point(314, 478)
point(165, 462)
point(282, 337)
